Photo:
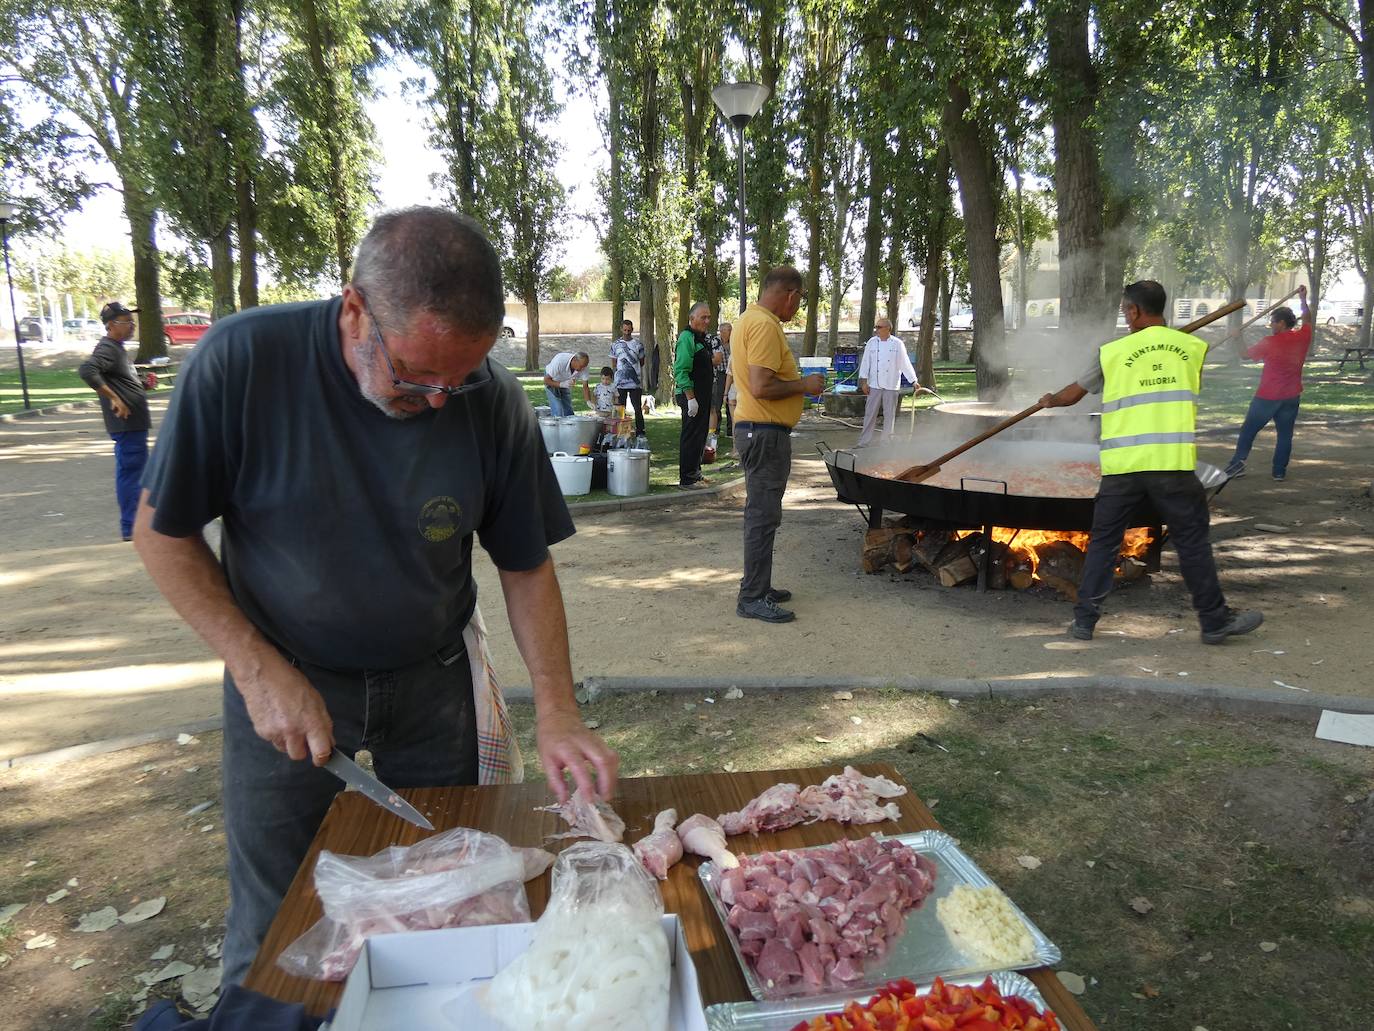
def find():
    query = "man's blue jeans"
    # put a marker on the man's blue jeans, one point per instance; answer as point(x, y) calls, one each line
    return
point(560, 400)
point(417, 722)
point(1284, 415)
point(131, 455)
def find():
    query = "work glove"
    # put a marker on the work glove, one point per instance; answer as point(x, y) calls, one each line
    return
point(692, 408)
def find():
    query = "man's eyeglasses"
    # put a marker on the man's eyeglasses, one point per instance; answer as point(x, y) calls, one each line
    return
point(406, 386)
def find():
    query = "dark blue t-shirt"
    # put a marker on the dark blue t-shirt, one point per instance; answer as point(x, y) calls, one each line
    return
point(347, 534)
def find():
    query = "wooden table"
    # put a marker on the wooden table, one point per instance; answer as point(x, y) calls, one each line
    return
point(356, 826)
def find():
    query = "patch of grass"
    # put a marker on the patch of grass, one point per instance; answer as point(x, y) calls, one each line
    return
point(1137, 791)
point(115, 1013)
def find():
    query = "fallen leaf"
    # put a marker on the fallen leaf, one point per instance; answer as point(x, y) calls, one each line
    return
point(164, 953)
point(709, 701)
point(954, 702)
point(1149, 991)
point(1029, 862)
point(72, 883)
point(82, 962)
point(100, 920)
point(200, 985)
point(196, 810)
point(734, 694)
point(1290, 687)
point(58, 895)
point(729, 767)
point(1206, 957)
point(689, 706)
point(187, 739)
point(176, 968)
point(143, 911)
point(593, 723)
point(843, 696)
point(821, 740)
point(215, 949)
point(1142, 905)
point(8, 913)
point(1090, 863)
point(31, 862)
point(193, 769)
point(208, 827)
point(1271, 528)
point(40, 941)
point(1073, 982)
point(932, 803)
point(1226, 882)
point(1269, 946)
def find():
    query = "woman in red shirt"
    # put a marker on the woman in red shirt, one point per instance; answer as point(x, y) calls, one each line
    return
point(1280, 388)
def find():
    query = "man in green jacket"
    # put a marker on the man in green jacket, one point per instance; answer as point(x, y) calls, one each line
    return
point(694, 375)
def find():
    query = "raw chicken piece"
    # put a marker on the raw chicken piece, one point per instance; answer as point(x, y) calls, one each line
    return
point(662, 847)
point(774, 810)
point(588, 818)
point(702, 836)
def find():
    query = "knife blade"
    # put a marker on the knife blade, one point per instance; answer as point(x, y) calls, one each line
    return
point(351, 773)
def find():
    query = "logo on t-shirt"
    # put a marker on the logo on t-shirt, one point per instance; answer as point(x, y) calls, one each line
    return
point(439, 519)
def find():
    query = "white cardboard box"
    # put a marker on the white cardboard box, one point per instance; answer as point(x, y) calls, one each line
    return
point(405, 982)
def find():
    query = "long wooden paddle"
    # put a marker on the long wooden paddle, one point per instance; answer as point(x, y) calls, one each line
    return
point(917, 473)
point(1240, 333)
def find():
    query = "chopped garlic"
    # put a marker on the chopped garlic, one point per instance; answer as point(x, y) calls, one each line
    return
point(983, 921)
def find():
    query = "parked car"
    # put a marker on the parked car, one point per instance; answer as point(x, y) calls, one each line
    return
point(35, 330)
point(83, 329)
point(186, 328)
point(514, 328)
point(1347, 313)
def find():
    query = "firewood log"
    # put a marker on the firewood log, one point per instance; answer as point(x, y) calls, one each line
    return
point(1060, 566)
point(1131, 568)
point(903, 548)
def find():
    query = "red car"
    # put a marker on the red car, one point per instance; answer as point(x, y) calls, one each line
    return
point(186, 328)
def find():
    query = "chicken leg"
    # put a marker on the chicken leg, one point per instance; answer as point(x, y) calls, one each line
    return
point(662, 847)
point(702, 836)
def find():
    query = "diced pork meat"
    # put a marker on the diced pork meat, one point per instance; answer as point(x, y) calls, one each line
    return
point(807, 920)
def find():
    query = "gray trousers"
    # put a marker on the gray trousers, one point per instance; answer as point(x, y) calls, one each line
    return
point(417, 722)
point(886, 401)
point(765, 455)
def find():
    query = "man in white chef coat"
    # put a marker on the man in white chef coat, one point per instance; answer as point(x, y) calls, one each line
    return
point(884, 364)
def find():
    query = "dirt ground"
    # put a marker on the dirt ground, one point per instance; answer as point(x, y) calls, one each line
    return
point(1235, 830)
point(89, 650)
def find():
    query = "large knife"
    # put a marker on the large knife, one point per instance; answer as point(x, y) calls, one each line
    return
point(351, 773)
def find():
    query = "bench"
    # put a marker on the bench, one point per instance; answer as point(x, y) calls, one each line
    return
point(1359, 354)
point(166, 374)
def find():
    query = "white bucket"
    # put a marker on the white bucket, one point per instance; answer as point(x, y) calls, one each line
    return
point(548, 426)
point(574, 472)
point(627, 472)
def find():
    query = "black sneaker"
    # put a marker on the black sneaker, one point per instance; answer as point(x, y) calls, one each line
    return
point(1081, 631)
point(1235, 469)
point(764, 609)
point(1236, 623)
point(1280, 477)
point(777, 597)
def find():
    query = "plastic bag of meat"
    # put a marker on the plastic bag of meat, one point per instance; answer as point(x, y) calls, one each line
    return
point(460, 878)
point(599, 958)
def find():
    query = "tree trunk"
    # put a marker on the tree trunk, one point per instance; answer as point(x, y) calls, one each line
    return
point(975, 167)
point(324, 78)
point(248, 240)
point(615, 232)
point(946, 301)
point(1363, 337)
point(647, 336)
point(532, 361)
point(896, 278)
point(873, 242)
point(1077, 170)
point(142, 218)
point(221, 275)
point(667, 338)
point(930, 297)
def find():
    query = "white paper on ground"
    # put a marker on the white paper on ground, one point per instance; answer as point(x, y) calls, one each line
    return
point(1347, 727)
point(411, 979)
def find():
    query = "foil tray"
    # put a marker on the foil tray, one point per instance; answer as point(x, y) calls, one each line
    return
point(783, 1016)
point(923, 951)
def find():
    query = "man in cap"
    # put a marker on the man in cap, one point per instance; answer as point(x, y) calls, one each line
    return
point(124, 404)
point(352, 448)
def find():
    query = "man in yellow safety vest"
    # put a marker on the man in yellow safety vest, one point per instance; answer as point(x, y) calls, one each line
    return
point(1150, 380)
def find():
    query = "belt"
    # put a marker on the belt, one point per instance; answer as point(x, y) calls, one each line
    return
point(763, 426)
point(451, 653)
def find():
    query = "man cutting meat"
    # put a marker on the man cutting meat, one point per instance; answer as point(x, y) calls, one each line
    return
point(1150, 381)
point(351, 448)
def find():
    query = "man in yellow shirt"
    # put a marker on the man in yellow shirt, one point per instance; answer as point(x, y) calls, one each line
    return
point(770, 389)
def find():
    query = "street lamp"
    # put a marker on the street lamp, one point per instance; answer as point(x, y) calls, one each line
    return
point(739, 102)
point(8, 209)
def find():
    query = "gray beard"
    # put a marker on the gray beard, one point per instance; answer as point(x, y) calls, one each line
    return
point(373, 386)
